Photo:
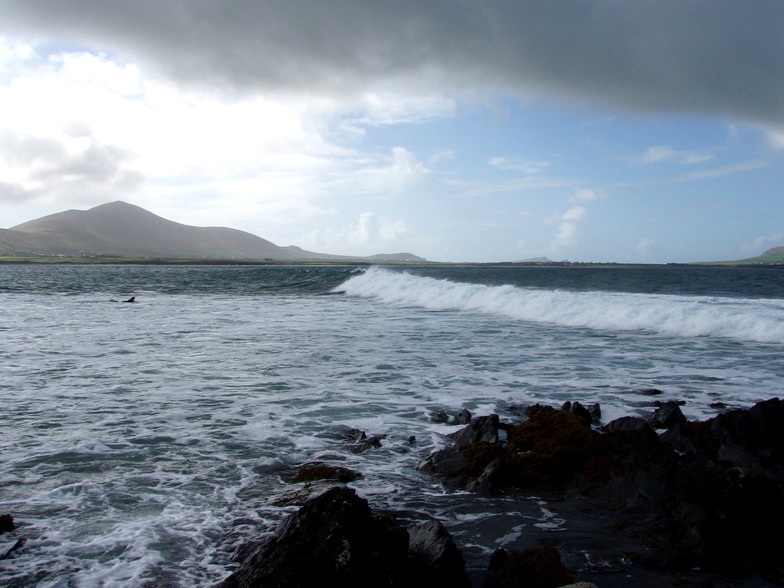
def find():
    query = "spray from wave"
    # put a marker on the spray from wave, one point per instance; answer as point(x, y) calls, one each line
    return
point(687, 316)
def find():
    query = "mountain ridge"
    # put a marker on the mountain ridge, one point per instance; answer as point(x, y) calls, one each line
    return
point(121, 229)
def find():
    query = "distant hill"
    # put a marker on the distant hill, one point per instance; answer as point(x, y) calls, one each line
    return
point(396, 257)
point(774, 256)
point(119, 229)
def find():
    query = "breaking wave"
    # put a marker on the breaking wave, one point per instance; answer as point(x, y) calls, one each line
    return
point(686, 316)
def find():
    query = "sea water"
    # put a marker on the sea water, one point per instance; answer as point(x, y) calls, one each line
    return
point(144, 443)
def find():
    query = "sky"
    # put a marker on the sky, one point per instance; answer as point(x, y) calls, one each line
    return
point(503, 130)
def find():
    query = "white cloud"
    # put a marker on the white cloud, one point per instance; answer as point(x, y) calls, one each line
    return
point(382, 177)
point(645, 245)
point(585, 195)
point(441, 155)
point(88, 129)
point(666, 154)
point(476, 189)
point(519, 164)
point(370, 234)
point(567, 232)
point(576, 213)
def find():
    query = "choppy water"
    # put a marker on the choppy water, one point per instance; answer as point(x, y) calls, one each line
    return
point(142, 443)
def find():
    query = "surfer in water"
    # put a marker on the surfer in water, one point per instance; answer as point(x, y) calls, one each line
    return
point(131, 299)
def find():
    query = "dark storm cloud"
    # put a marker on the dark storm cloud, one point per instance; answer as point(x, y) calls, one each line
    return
point(724, 58)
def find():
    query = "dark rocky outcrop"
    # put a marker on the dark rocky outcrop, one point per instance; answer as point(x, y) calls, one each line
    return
point(6, 523)
point(335, 540)
point(701, 494)
point(319, 471)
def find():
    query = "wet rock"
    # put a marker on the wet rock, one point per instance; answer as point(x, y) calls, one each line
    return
point(534, 568)
point(6, 523)
point(439, 417)
point(667, 415)
point(319, 471)
point(482, 430)
point(447, 462)
point(368, 443)
point(356, 435)
point(701, 494)
point(334, 539)
point(595, 410)
point(578, 409)
point(463, 417)
point(436, 557)
point(627, 423)
point(651, 392)
point(361, 441)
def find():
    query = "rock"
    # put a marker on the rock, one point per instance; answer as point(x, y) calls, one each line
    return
point(362, 442)
point(595, 410)
point(6, 523)
point(482, 430)
point(582, 412)
point(447, 462)
point(534, 568)
point(439, 417)
point(334, 540)
point(463, 417)
point(368, 443)
point(319, 471)
point(667, 415)
point(591, 415)
point(651, 392)
point(627, 423)
point(436, 558)
point(701, 494)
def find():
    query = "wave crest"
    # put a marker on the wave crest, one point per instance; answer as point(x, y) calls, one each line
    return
point(688, 316)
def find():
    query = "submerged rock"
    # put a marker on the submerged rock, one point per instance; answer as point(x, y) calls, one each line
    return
point(6, 523)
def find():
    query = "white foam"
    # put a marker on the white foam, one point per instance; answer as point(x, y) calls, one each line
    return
point(685, 316)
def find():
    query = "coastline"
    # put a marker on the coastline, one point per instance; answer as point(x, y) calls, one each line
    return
point(100, 260)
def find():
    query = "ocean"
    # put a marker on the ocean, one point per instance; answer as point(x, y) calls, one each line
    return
point(143, 444)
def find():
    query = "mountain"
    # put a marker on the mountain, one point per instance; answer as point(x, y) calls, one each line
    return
point(119, 229)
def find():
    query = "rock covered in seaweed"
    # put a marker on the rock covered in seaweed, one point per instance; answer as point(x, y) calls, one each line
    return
point(711, 492)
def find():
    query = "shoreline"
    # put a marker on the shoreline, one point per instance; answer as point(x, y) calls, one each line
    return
point(690, 506)
point(43, 260)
